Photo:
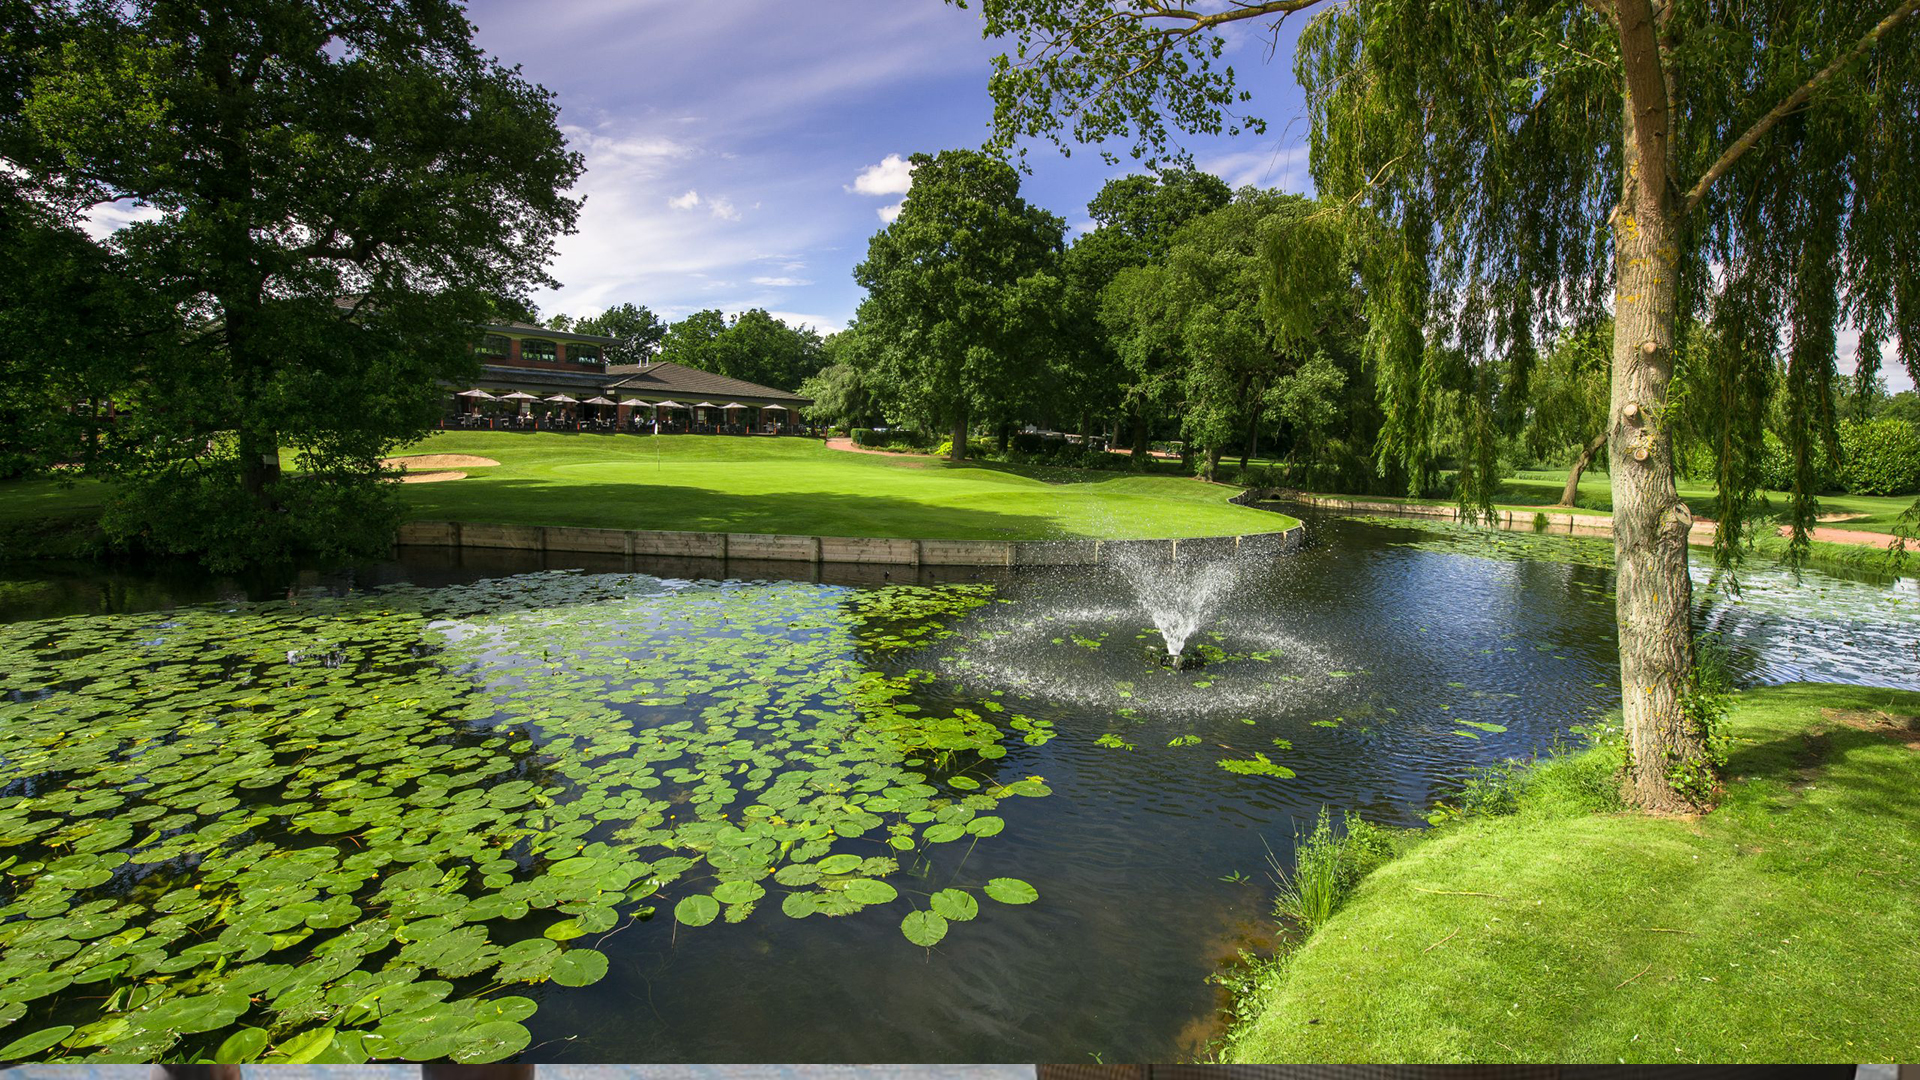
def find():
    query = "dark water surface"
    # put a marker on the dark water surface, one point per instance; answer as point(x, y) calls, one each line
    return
point(1375, 670)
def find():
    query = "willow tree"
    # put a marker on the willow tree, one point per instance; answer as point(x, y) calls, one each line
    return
point(1538, 161)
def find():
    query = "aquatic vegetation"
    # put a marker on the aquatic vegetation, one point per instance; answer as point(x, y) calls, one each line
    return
point(333, 830)
point(1258, 765)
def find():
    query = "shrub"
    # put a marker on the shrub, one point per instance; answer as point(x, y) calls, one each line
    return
point(862, 436)
point(1326, 867)
point(1032, 442)
point(976, 448)
point(1880, 457)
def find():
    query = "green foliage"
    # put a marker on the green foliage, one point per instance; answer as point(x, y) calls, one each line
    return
point(961, 288)
point(638, 330)
point(1705, 704)
point(1327, 867)
point(1258, 765)
point(338, 193)
point(333, 824)
point(1880, 457)
point(753, 345)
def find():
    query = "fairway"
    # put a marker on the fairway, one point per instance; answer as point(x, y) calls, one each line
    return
point(792, 485)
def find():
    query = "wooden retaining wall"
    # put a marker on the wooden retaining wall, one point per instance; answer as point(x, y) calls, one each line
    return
point(853, 550)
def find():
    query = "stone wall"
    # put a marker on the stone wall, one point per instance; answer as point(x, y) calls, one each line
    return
point(855, 550)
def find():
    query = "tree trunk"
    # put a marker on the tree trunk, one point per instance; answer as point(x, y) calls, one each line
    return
point(1005, 436)
point(259, 464)
point(1213, 462)
point(1140, 441)
point(1650, 523)
point(1579, 466)
point(958, 452)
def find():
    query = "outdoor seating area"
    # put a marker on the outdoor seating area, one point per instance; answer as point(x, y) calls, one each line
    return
point(483, 410)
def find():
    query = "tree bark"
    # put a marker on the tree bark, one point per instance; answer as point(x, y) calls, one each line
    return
point(958, 451)
point(1650, 523)
point(1140, 442)
point(1572, 490)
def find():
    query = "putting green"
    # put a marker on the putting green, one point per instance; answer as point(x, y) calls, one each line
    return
point(793, 485)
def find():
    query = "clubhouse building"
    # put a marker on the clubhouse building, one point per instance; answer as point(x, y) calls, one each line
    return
point(536, 379)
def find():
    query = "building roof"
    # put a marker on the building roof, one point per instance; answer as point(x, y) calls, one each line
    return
point(638, 381)
point(521, 329)
point(663, 378)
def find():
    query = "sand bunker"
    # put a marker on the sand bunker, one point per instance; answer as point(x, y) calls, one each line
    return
point(439, 461)
point(430, 477)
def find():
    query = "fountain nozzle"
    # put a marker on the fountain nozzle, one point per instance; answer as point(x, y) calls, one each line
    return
point(1181, 661)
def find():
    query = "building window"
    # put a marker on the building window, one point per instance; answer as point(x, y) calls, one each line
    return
point(494, 347)
point(584, 354)
point(538, 349)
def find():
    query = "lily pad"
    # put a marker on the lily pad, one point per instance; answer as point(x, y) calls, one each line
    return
point(955, 905)
point(924, 928)
point(696, 910)
point(1012, 891)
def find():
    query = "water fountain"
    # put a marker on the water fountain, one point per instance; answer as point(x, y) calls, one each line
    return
point(1134, 636)
point(1178, 596)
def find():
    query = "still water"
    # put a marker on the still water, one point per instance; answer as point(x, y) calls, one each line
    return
point(1375, 667)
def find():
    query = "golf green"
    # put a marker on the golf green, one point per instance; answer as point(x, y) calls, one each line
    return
point(795, 485)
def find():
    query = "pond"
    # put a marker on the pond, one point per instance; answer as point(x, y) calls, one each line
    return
point(470, 805)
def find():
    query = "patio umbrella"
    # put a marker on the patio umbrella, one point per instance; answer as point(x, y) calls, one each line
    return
point(706, 405)
point(479, 395)
point(599, 401)
point(562, 399)
point(733, 405)
point(782, 408)
point(668, 405)
point(518, 395)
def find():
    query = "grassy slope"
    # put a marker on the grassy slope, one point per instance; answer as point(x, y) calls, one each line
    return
point(1596, 493)
point(1787, 928)
point(798, 486)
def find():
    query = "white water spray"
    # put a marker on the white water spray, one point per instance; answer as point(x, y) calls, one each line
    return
point(1178, 595)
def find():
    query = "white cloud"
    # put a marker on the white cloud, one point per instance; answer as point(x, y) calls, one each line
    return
point(893, 176)
point(685, 202)
point(109, 218)
point(820, 324)
point(889, 213)
point(722, 208)
point(781, 282)
point(1283, 167)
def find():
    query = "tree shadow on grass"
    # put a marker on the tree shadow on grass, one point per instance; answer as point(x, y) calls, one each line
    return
point(674, 507)
point(1851, 720)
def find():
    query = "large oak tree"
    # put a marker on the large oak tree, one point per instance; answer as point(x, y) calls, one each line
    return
point(963, 288)
point(329, 195)
point(1541, 161)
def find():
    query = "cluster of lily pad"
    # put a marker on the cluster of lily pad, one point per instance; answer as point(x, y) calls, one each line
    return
point(340, 830)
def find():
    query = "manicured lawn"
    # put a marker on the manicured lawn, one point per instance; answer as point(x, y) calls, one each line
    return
point(794, 485)
point(1781, 927)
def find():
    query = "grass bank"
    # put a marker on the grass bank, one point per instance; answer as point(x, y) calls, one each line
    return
point(715, 484)
point(1781, 927)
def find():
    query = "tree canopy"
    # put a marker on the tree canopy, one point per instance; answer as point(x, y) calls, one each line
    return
point(962, 287)
point(753, 345)
point(638, 332)
point(1516, 166)
point(329, 195)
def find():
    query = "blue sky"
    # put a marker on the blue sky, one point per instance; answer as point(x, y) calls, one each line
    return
point(726, 142)
point(738, 152)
